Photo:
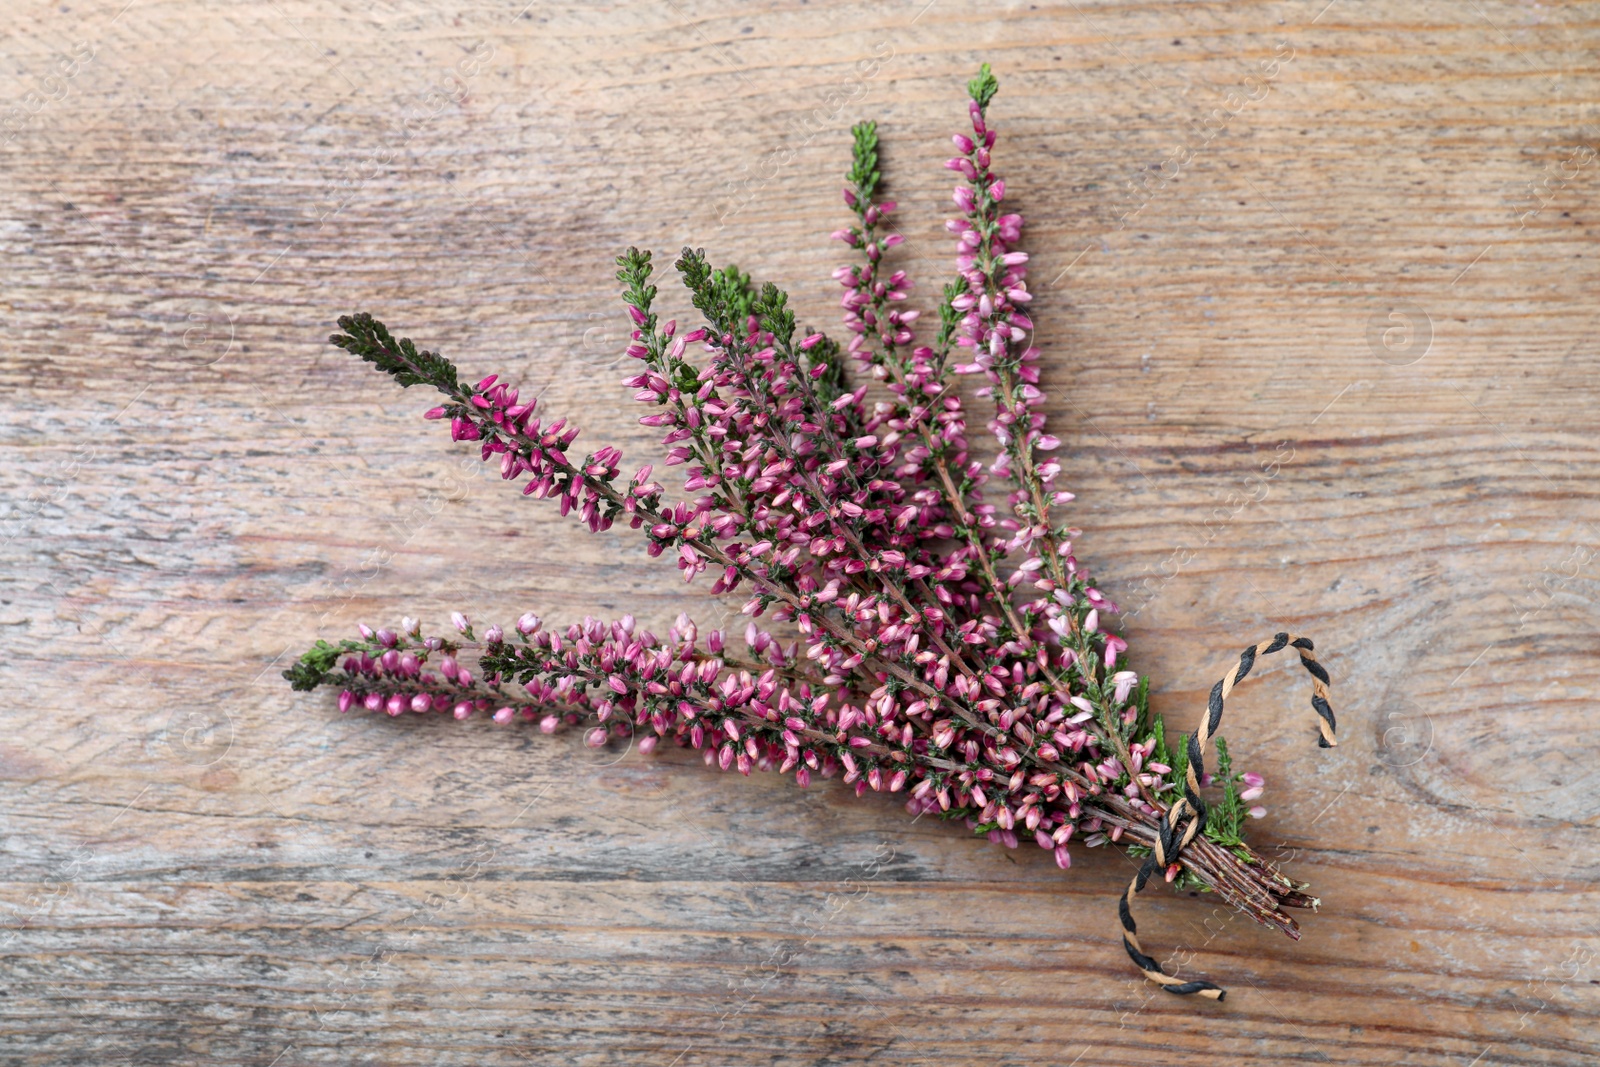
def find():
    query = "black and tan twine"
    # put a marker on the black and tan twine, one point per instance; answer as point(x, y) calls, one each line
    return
point(1187, 816)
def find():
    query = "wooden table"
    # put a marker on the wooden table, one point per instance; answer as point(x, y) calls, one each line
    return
point(1351, 246)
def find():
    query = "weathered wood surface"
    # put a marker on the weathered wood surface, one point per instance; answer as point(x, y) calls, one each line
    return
point(200, 867)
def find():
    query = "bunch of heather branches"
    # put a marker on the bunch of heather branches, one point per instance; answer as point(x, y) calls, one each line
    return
point(933, 634)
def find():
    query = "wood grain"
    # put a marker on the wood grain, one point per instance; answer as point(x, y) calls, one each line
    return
point(201, 867)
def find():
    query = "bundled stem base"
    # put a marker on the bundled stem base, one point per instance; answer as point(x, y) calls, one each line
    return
point(1186, 817)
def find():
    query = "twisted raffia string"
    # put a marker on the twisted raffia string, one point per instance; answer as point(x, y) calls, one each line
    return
point(1170, 842)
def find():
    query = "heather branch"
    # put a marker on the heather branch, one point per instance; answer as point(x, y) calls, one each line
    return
point(670, 378)
point(475, 416)
point(994, 326)
point(388, 671)
point(758, 382)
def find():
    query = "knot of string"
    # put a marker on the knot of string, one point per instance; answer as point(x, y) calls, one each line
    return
point(1187, 816)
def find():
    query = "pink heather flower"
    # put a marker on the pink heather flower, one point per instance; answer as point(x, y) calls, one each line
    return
point(1114, 645)
point(1257, 812)
point(1254, 786)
